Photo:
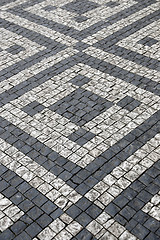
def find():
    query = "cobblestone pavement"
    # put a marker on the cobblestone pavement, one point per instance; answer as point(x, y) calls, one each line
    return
point(79, 119)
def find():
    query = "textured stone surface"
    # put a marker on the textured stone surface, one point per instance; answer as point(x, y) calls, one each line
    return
point(79, 120)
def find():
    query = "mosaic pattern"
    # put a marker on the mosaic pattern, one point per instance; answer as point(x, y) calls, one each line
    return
point(79, 120)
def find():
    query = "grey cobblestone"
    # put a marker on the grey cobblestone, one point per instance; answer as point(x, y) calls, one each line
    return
point(79, 120)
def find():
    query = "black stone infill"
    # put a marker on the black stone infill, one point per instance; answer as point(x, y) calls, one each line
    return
point(68, 31)
point(31, 35)
point(38, 210)
point(82, 179)
point(45, 75)
point(119, 152)
point(81, 106)
point(29, 3)
point(133, 56)
point(115, 71)
point(148, 41)
point(79, 35)
point(84, 234)
point(26, 4)
point(128, 30)
point(115, 18)
point(26, 63)
point(32, 82)
point(127, 12)
point(4, 2)
point(108, 44)
point(126, 208)
point(80, 7)
point(52, 48)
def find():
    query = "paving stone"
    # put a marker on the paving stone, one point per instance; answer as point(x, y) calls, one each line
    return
point(23, 236)
point(33, 230)
point(127, 212)
point(49, 8)
point(40, 200)
point(81, 96)
point(18, 227)
point(84, 233)
point(112, 209)
point(44, 220)
point(48, 207)
point(7, 235)
point(93, 211)
point(73, 211)
point(152, 236)
point(31, 193)
point(80, 19)
point(33, 108)
point(79, 120)
point(140, 231)
point(83, 203)
point(83, 219)
point(58, 212)
point(34, 213)
point(15, 49)
point(148, 41)
point(26, 205)
point(81, 136)
point(112, 4)
point(80, 7)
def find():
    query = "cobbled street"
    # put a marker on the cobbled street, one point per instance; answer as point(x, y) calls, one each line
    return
point(79, 119)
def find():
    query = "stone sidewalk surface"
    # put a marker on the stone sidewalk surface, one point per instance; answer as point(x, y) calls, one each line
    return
point(79, 120)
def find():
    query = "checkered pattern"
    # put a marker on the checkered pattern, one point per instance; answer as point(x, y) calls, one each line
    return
point(79, 120)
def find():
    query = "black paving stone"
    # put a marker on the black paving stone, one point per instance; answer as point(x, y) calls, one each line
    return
point(9, 192)
point(23, 187)
point(112, 4)
point(84, 234)
point(44, 220)
point(93, 211)
point(40, 200)
point(18, 227)
point(152, 224)
point(35, 213)
point(3, 185)
point(17, 198)
point(81, 96)
point(148, 41)
point(80, 19)
point(49, 207)
point(81, 6)
point(50, 8)
point(73, 211)
point(15, 49)
point(112, 209)
point(23, 236)
point(81, 106)
point(141, 217)
point(26, 205)
point(84, 219)
point(152, 236)
point(140, 231)
point(33, 230)
point(7, 235)
point(58, 212)
point(83, 203)
point(31, 193)
point(127, 212)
